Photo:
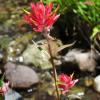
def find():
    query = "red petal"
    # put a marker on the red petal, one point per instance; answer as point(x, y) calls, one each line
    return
point(38, 29)
point(41, 7)
point(41, 10)
point(51, 20)
point(33, 6)
point(48, 8)
point(27, 19)
point(35, 11)
point(64, 78)
point(56, 17)
point(34, 18)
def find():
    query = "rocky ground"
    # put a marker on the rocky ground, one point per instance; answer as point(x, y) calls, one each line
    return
point(25, 59)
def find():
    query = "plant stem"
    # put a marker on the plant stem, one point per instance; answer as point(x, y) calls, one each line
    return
point(53, 65)
point(2, 97)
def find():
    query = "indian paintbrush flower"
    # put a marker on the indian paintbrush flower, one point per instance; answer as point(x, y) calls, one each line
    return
point(66, 82)
point(4, 87)
point(41, 17)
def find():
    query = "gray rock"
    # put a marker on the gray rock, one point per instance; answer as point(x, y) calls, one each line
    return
point(14, 49)
point(85, 60)
point(97, 83)
point(39, 58)
point(12, 95)
point(20, 76)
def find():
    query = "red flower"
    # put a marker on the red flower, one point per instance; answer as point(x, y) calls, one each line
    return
point(41, 18)
point(66, 82)
point(4, 88)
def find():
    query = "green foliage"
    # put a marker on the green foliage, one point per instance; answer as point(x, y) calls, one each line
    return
point(64, 4)
point(88, 10)
point(4, 41)
point(1, 81)
point(96, 30)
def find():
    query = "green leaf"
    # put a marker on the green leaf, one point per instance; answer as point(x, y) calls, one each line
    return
point(1, 83)
point(60, 83)
point(95, 31)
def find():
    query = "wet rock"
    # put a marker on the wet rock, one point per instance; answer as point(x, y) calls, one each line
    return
point(76, 93)
point(97, 83)
point(12, 95)
point(91, 95)
point(74, 97)
point(45, 96)
point(36, 56)
point(88, 81)
point(84, 60)
point(15, 48)
point(20, 76)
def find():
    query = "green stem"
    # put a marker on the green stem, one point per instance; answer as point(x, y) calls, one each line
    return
point(53, 65)
point(2, 97)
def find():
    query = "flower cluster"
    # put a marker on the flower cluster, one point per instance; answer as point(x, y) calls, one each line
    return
point(41, 17)
point(66, 82)
point(4, 87)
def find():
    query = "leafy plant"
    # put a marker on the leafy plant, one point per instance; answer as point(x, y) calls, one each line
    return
point(87, 9)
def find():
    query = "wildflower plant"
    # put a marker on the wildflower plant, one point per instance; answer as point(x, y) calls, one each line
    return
point(4, 86)
point(66, 82)
point(41, 18)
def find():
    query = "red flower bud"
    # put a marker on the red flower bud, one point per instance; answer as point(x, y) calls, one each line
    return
point(66, 82)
